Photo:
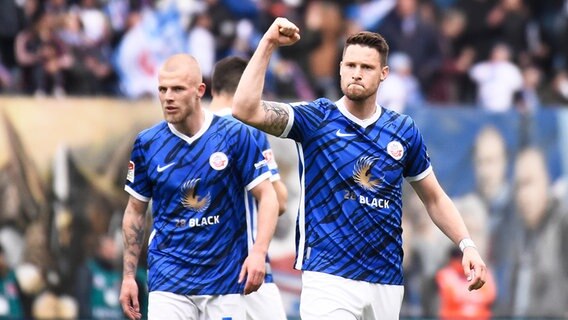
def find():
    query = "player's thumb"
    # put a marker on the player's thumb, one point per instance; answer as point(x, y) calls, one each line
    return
point(467, 271)
point(135, 304)
point(243, 273)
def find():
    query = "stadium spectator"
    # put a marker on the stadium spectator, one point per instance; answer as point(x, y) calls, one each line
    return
point(455, 301)
point(528, 98)
point(406, 31)
point(10, 300)
point(451, 81)
point(513, 29)
point(401, 88)
point(43, 57)
point(497, 80)
point(324, 57)
point(541, 266)
point(492, 187)
point(98, 282)
point(11, 22)
point(201, 44)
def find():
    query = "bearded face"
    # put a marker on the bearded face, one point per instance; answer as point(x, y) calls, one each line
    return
point(361, 72)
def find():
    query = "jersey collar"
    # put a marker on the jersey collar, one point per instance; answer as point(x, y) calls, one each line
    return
point(204, 127)
point(363, 123)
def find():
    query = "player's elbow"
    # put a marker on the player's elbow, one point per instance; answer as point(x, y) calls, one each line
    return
point(244, 109)
point(241, 113)
point(282, 207)
point(238, 114)
point(282, 195)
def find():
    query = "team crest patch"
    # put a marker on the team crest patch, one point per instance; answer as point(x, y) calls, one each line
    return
point(218, 161)
point(395, 150)
point(130, 174)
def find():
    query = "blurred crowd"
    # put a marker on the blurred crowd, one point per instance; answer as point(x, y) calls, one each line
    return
point(60, 238)
point(495, 54)
point(517, 215)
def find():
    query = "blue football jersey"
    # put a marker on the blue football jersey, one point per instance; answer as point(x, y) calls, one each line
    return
point(198, 186)
point(351, 175)
point(252, 208)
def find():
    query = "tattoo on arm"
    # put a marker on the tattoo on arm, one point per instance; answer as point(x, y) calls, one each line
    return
point(133, 245)
point(276, 117)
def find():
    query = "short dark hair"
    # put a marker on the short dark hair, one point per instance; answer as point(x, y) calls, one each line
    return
point(227, 73)
point(372, 40)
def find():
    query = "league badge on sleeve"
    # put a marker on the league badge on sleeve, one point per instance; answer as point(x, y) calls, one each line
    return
point(269, 157)
point(130, 174)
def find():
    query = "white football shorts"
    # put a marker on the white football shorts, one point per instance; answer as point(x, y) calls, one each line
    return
point(266, 303)
point(171, 306)
point(329, 297)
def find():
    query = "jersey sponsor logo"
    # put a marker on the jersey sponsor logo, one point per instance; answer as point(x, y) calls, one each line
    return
point(374, 202)
point(343, 134)
point(161, 169)
point(191, 198)
point(130, 173)
point(362, 173)
point(218, 161)
point(363, 177)
point(395, 150)
point(204, 221)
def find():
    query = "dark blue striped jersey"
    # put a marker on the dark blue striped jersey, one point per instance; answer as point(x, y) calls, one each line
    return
point(351, 175)
point(198, 186)
point(252, 208)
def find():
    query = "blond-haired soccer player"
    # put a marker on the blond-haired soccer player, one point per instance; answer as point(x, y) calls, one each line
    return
point(196, 168)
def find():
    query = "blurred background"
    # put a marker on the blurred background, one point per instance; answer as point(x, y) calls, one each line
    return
point(485, 80)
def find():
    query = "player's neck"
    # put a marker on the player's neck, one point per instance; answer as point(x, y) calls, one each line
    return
point(192, 124)
point(220, 102)
point(363, 109)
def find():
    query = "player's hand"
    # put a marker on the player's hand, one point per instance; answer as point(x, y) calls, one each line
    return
point(474, 268)
point(254, 270)
point(129, 299)
point(282, 32)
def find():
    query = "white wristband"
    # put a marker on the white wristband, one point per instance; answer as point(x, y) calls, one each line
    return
point(466, 242)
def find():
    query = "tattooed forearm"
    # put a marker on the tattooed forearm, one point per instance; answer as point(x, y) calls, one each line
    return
point(276, 117)
point(137, 234)
point(133, 236)
point(129, 268)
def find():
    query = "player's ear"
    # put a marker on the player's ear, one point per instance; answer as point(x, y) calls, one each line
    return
point(201, 90)
point(384, 73)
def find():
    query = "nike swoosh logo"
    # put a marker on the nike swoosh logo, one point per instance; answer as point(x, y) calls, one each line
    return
point(160, 168)
point(341, 134)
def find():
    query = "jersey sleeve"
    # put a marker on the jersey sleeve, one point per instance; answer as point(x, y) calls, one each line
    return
point(262, 141)
point(251, 163)
point(418, 164)
point(137, 183)
point(305, 118)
